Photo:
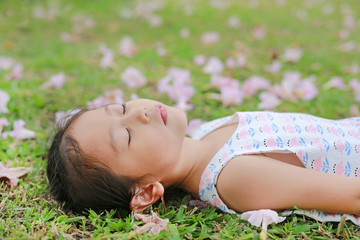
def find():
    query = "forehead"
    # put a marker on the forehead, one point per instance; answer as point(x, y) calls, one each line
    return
point(91, 130)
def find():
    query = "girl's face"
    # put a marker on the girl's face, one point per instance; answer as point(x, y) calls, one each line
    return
point(137, 138)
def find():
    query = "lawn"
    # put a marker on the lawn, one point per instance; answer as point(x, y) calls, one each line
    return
point(315, 42)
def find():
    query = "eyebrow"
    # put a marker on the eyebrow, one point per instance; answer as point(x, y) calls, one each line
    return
point(111, 131)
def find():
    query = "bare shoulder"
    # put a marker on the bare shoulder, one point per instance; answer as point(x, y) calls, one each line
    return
point(253, 182)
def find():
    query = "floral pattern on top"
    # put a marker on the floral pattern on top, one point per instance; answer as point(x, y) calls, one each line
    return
point(330, 146)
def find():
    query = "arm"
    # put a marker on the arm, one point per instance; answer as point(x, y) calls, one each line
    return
point(255, 182)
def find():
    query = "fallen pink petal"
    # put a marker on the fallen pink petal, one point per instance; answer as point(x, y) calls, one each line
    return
point(348, 46)
point(335, 82)
point(113, 96)
point(268, 101)
point(193, 125)
point(133, 78)
point(354, 111)
point(3, 122)
point(263, 217)
point(55, 81)
point(199, 60)
point(209, 38)
point(127, 47)
point(292, 54)
point(230, 92)
point(107, 59)
point(241, 61)
point(274, 67)
point(258, 32)
point(19, 131)
point(213, 66)
point(4, 98)
point(254, 84)
point(11, 175)
point(233, 21)
point(6, 63)
point(16, 72)
point(184, 32)
point(158, 225)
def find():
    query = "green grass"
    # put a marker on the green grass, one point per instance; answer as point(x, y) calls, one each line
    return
point(27, 211)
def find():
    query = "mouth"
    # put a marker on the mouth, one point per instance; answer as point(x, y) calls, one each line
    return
point(163, 114)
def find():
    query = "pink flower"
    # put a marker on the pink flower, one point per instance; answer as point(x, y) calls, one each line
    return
point(19, 131)
point(199, 60)
point(107, 56)
point(183, 105)
point(292, 54)
point(230, 62)
point(3, 122)
point(336, 82)
point(258, 32)
point(263, 217)
point(17, 72)
point(184, 33)
point(126, 13)
point(127, 47)
point(152, 221)
point(349, 21)
point(6, 63)
point(134, 96)
point(209, 38)
point(213, 66)
point(4, 98)
point(233, 21)
point(82, 22)
point(133, 78)
point(268, 100)
point(160, 50)
point(254, 84)
point(218, 81)
point(343, 34)
point(353, 69)
point(355, 86)
point(193, 125)
point(241, 60)
point(154, 20)
point(177, 85)
point(274, 67)
point(219, 4)
point(293, 88)
point(354, 111)
point(11, 175)
point(348, 46)
point(55, 81)
point(308, 89)
point(230, 92)
point(114, 96)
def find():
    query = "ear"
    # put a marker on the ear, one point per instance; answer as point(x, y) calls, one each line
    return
point(146, 196)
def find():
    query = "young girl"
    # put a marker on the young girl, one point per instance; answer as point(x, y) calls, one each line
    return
point(125, 156)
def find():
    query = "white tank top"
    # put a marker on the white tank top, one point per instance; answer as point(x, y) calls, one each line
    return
point(330, 146)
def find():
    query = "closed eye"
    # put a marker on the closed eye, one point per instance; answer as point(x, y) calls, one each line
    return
point(124, 108)
point(129, 132)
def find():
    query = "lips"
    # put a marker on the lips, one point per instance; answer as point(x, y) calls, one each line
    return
point(163, 114)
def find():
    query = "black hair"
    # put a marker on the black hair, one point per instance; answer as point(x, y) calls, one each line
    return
point(81, 181)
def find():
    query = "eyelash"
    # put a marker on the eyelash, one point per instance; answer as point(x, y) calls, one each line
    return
point(127, 129)
point(124, 108)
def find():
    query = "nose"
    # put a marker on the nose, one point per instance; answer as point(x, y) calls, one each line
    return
point(141, 115)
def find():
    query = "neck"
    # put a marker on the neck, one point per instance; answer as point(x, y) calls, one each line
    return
point(193, 160)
